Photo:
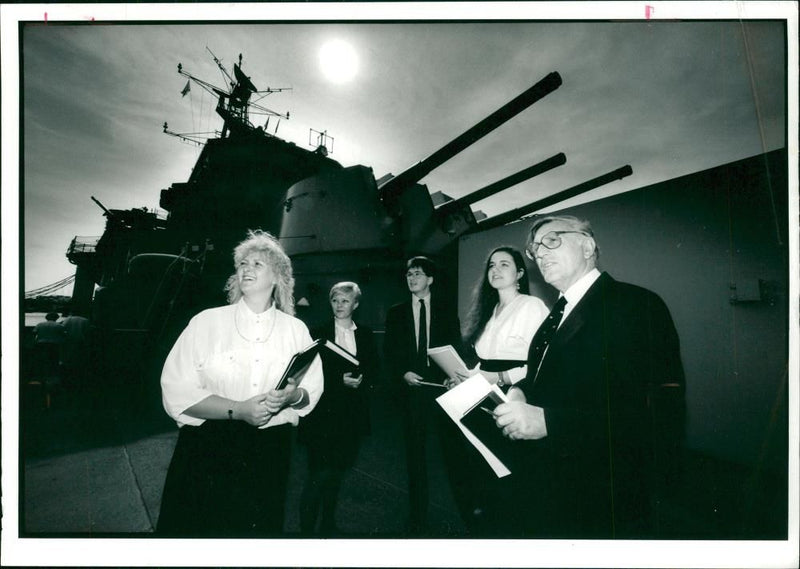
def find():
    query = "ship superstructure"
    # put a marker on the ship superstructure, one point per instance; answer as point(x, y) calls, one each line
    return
point(337, 223)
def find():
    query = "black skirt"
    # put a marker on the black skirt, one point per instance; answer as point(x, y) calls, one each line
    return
point(226, 479)
point(496, 511)
point(331, 434)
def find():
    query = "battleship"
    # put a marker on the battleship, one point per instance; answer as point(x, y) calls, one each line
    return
point(147, 275)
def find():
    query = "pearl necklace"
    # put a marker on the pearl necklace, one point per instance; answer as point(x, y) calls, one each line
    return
point(245, 338)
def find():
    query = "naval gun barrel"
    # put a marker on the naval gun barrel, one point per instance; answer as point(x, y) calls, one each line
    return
point(512, 180)
point(515, 214)
point(397, 185)
point(107, 212)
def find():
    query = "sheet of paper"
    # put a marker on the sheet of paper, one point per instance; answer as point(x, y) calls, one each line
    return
point(458, 401)
point(448, 359)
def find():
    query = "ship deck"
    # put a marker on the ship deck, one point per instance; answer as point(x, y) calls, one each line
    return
point(95, 462)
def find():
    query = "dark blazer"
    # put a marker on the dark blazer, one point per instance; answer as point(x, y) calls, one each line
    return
point(343, 410)
point(605, 369)
point(400, 343)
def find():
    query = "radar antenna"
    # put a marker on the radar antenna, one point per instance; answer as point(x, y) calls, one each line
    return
point(234, 103)
point(323, 142)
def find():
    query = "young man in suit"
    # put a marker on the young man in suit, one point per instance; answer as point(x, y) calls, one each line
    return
point(423, 321)
point(592, 440)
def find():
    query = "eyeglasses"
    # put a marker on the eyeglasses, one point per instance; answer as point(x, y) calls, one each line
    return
point(551, 240)
point(410, 274)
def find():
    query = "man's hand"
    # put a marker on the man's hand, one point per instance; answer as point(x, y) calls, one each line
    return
point(516, 394)
point(412, 378)
point(278, 399)
point(518, 420)
point(352, 381)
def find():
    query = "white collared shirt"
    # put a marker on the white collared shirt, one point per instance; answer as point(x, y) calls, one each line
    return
point(345, 337)
point(576, 292)
point(235, 353)
point(507, 336)
point(415, 308)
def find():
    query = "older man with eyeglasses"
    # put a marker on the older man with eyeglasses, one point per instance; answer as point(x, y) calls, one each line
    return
point(593, 441)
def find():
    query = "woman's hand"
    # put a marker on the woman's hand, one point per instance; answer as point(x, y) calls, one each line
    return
point(252, 411)
point(278, 399)
point(460, 377)
point(352, 381)
point(491, 376)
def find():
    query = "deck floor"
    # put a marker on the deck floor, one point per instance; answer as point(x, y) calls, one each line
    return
point(96, 465)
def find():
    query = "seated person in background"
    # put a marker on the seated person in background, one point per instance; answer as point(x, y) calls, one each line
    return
point(75, 349)
point(47, 339)
point(332, 433)
point(229, 471)
point(582, 421)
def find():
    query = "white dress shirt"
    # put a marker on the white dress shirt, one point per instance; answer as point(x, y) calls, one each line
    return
point(415, 308)
point(508, 336)
point(345, 336)
point(575, 293)
point(232, 352)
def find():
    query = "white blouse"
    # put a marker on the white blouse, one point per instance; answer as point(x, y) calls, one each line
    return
point(232, 352)
point(346, 337)
point(508, 336)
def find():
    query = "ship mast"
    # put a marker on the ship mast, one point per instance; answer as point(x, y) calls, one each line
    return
point(234, 104)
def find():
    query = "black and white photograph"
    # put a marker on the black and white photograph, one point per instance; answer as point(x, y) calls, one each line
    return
point(234, 234)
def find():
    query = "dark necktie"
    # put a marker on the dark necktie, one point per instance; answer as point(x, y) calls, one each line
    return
point(422, 345)
point(543, 336)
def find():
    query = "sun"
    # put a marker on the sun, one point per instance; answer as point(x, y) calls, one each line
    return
point(338, 61)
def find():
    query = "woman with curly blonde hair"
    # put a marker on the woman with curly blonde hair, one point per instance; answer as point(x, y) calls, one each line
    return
point(229, 470)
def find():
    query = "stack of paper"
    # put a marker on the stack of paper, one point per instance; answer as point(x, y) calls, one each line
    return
point(467, 397)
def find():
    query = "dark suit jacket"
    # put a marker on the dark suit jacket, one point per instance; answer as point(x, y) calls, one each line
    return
point(608, 363)
point(400, 343)
point(343, 410)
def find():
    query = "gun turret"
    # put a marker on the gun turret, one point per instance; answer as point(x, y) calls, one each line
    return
point(108, 213)
point(451, 207)
point(517, 213)
point(397, 185)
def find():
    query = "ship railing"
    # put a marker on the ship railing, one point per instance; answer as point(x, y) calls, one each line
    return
point(83, 245)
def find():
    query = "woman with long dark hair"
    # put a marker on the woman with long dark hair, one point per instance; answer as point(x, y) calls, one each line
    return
point(503, 317)
point(500, 326)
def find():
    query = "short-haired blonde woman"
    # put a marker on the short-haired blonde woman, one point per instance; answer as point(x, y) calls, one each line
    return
point(229, 471)
point(333, 432)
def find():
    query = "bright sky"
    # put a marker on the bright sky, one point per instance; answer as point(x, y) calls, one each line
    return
point(667, 98)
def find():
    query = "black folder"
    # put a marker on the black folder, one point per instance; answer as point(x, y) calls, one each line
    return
point(301, 361)
point(480, 422)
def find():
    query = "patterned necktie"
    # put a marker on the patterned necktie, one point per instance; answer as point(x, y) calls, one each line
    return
point(544, 334)
point(422, 344)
